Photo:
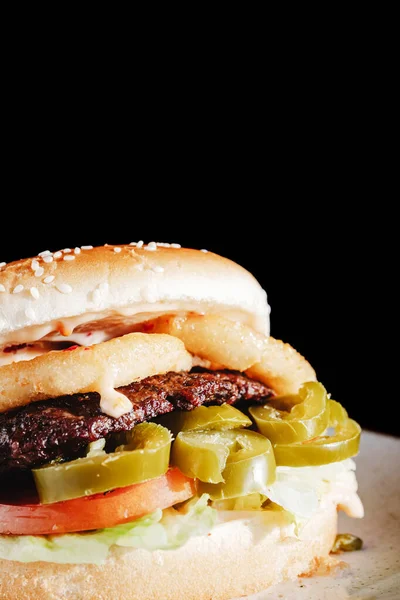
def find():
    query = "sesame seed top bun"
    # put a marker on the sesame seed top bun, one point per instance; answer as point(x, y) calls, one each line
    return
point(84, 288)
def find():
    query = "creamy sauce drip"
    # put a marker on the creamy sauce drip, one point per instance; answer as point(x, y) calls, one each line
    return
point(112, 403)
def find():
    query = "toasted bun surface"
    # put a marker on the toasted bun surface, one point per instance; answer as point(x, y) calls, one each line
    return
point(237, 558)
point(124, 282)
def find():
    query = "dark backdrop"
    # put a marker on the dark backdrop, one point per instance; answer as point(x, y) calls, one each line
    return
point(314, 262)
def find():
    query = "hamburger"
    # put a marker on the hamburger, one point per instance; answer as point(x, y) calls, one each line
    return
point(155, 441)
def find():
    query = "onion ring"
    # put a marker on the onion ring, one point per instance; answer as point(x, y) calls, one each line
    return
point(229, 344)
point(58, 373)
point(233, 345)
point(282, 368)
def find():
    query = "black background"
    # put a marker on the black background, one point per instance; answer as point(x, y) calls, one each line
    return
point(315, 257)
point(275, 152)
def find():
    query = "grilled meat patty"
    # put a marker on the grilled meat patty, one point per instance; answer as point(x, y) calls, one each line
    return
point(61, 428)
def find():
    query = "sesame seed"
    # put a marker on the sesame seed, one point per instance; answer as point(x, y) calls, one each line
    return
point(77, 250)
point(2, 288)
point(203, 250)
point(139, 267)
point(44, 253)
point(39, 272)
point(158, 269)
point(18, 289)
point(34, 264)
point(48, 279)
point(103, 286)
point(29, 312)
point(34, 292)
point(2, 264)
point(64, 288)
point(47, 259)
point(86, 247)
point(67, 250)
point(133, 244)
point(140, 244)
point(69, 257)
point(57, 254)
point(176, 246)
point(117, 250)
point(151, 246)
point(164, 244)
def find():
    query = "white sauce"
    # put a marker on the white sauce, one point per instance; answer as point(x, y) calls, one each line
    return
point(112, 403)
point(82, 339)
point(27, 353)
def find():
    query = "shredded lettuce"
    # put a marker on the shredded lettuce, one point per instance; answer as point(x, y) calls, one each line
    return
point(161, 530)
point(300, 489)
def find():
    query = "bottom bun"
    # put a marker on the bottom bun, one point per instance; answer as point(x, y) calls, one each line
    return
point(244, 554)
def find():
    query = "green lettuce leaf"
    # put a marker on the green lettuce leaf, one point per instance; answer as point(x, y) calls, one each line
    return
point(161, 530)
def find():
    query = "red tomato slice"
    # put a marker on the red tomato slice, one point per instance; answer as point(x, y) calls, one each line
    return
point(98, 511)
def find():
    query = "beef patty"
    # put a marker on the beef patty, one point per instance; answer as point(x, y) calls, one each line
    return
point(61, 428)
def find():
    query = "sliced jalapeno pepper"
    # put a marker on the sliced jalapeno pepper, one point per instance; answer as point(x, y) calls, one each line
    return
point(217, 418)
point(249, 462)
point(144, 456)
point(251, 502)
point(289, 419)
point(201, 454)
point(346, 542)
point(323, 449)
